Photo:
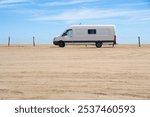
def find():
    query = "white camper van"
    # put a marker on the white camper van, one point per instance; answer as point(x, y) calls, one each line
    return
point(87, 34)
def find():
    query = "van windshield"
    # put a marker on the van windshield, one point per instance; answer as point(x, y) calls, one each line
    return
point(67, 33)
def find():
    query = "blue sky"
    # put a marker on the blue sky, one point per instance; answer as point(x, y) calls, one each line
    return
point(45, 19)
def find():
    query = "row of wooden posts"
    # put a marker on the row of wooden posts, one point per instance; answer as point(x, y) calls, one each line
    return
point(32, 38)
point(139, 41)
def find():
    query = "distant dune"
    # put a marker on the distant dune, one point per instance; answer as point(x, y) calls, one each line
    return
point(74, 72)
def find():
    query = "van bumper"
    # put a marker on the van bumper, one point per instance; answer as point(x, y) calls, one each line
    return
point(55, 42)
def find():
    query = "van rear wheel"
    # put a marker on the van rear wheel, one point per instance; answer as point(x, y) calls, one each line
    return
point(61, 44)
point(98, 44)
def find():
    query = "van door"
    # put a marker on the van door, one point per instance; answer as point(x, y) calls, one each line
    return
point(67, 35)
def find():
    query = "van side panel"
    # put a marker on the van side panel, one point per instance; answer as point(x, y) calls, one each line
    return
point(102, 34)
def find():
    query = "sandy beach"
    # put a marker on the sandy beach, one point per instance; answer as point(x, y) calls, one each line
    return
point(74, 72)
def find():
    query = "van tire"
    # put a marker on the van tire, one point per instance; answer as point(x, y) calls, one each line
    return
point(61, 44)
point(98, 44)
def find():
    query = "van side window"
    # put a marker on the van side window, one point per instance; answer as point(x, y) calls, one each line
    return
point(67, 33)
point(91, 31)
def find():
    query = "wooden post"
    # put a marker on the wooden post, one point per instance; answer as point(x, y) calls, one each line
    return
point(139, 41)
point(33, 41)
point(8, 41)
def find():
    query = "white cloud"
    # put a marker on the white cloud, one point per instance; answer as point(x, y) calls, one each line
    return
point(7, 2)
point(135, 4)
point(145, 19)
point(94, 14)
point(68, 2)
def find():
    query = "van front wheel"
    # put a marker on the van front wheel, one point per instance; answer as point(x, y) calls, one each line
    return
point(61, 44)
point(98, 44)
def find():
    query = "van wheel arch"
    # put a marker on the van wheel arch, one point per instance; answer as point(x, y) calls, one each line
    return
point(98, 44)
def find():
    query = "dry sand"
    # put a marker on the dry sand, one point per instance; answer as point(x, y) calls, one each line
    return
point(74, 72)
